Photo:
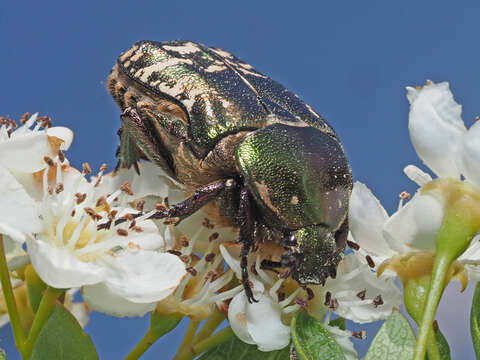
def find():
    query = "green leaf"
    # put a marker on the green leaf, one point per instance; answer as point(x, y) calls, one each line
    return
point(394, 341)
point(442, 343)
point(475, 320)
point(338, 322)
point(62, 338)
point(2, 355)
point(312, 341)
point(238, 350)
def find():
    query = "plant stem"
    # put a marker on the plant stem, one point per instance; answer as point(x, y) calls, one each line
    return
point(439, 274)
point(44, 311)
point(143, 345)
point(204, 345)
point(210, 325)
point(10, 298)
point(187, 339)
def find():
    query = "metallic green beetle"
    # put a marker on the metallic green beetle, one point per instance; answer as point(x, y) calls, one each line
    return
point(252, 153)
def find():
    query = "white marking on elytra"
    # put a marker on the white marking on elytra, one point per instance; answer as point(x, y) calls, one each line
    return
point(185, 48)
point(215, 68)
point(128, 53)
point(144, 73)
point(294, 200)
point(311, 110)
point(222, 53)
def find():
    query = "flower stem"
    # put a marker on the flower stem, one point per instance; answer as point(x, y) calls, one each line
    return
point(439, 274)
point(160, 325)
point(10, 298)
point(187, 339)
point(210, 325)
point(44, 311)
point(143, 345)
point(204, 345)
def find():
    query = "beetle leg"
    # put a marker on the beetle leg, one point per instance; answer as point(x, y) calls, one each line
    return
point(247, 238)
point(200, 198)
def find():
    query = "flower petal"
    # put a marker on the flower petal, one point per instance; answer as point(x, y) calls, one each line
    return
point(366, 218)
point(25, 153)
point(62, 133)
point(352, 279)
point(143, 276)
point(342, 337)
point(436, 127)
point(58, 267)
point(237, 317)
point(469, 154)
point(415, 225)
point(18, 211)
point(101, 298)
point(265, 326)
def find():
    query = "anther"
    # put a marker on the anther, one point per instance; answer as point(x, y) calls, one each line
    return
point(253, 270)
point(166, 201)
point(361, 294)
point(206, 223)
point(184, 242)
point(80, 197)
point(213, 237)
point(126, 188)
point(61, 156)
point(137, 229)
point(170, 221)
point(122, 232)
point(370, 261)
point(404, 195)
point(310, 293)
point(49, 161)
point(112, 214)
point(161, 207)
point(73, 213)
point(353, 245)
point(192, 271)
point(44, 121)
point(185, 259)
point(303, 303)
point(103, 167)
point(86, 168)
point(378, 301)
point(328, 297)
point(281, 296)
point(25, 118)
point(59, 188)
point(361, 335)
point(174, 252)
point(333, 305)
point(90, 212)
point(133, 224)
point(128, 217)
point(284, 274)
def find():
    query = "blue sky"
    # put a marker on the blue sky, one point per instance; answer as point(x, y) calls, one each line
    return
point(350, 60)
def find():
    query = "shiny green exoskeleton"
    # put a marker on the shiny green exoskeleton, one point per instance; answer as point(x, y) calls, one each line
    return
point(258, 157)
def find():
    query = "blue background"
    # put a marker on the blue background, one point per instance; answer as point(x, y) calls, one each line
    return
point(351, 60)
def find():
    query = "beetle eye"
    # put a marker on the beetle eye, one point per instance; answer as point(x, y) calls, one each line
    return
point(289, 240)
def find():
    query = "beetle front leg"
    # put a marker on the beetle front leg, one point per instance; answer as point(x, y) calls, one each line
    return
point(247, 238)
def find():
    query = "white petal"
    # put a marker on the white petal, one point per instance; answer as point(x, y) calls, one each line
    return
point(366, 218)
point(237, 317)
point(342, 337)
point(58, 267)
point(62, 133)
point(265, 326)
point(415, 225)
point(143, 276)
point(25, 153)
point(416, 175)
point(18, 211)
point(100, 298)
point(354, 277)
point(469, 154)
point(80, 311)
point(234, 264)
point(436, 128)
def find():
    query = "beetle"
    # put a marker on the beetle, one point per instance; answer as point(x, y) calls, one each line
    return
point(249, 151)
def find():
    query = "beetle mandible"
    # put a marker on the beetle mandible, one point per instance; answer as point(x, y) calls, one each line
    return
point(256, 155)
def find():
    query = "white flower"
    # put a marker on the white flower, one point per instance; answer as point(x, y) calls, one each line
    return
point(123, 267)
point(355, 294)
point(23, 151)
point(450, 150)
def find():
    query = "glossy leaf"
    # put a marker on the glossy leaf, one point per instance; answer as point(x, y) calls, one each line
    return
point(442, 343)
point(475, 321)
point(312, 341)
point(62, 338)
point(394, 341)
point(238, 350)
